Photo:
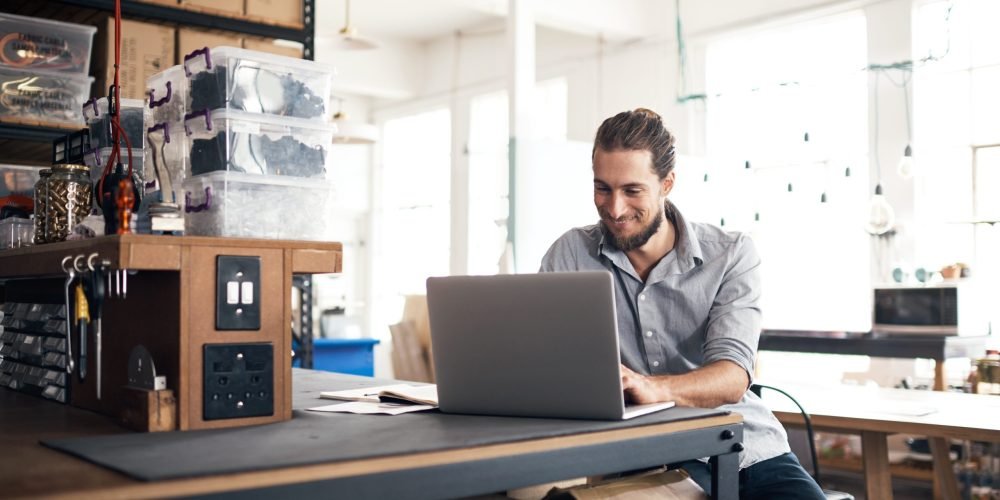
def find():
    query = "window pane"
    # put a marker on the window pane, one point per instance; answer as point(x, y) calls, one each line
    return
point(488, 165)
point(416, 182)
point(941, 34)
point(986, 112)
point(988, 184)
point(941, 112)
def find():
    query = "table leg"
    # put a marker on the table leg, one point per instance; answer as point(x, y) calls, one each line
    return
point(945, 485)
point(875, 455)
point(725, 476)
point(939, 384)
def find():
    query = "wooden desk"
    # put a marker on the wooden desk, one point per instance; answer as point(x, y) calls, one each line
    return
point(29, 469)
point(875, 413)
point(937, 348)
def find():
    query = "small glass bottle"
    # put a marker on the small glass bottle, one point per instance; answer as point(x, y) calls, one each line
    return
point(70, 193)
point(41, 202)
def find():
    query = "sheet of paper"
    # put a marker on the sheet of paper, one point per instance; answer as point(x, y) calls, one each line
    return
point(368, 408)
point(361, 394)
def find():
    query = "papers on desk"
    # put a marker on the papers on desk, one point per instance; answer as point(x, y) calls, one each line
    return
point(387, 399)
point(397, 393)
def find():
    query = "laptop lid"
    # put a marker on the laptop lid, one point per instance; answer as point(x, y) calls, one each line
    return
point(541, 345)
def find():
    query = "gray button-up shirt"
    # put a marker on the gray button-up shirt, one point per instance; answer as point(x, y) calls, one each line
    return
point(699, 305)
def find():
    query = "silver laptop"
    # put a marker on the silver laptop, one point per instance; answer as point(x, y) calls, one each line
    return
point(538, 345)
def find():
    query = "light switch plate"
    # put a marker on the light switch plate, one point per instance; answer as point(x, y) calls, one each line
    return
point(234, 276)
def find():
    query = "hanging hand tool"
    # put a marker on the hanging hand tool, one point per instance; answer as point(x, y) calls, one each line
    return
point(83, 319)
point(70, 276)
point(95, 292)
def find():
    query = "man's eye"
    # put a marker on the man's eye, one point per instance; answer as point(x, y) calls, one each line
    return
point(601, 189)
point(633, 192)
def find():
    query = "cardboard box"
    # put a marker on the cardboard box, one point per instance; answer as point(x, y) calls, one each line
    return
point(283, 12)
point(222, 7)
point(189, 40)
point(268, 45)
point(146, 49)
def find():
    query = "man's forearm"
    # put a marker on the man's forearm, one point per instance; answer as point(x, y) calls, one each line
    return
point(716, 384)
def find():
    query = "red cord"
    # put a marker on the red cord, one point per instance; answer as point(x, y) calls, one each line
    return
point(116, 130)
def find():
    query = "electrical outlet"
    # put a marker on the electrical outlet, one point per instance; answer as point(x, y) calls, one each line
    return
point(237, 293)
point(239, 381)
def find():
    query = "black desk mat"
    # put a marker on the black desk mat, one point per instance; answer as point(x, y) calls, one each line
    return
point(313, 438)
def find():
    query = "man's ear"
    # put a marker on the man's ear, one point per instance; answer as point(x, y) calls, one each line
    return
point(668, 183)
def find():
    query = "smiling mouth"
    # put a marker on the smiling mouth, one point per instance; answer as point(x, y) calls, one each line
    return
point(620, 222)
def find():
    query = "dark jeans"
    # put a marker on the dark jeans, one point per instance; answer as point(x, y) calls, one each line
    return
point(775, 478)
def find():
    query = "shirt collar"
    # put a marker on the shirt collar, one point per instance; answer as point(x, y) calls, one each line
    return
point(685, 256)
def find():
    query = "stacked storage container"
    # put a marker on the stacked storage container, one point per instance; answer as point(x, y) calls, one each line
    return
point(257, 146)
point(131, 119)
point(43, 70)
point(165, 164)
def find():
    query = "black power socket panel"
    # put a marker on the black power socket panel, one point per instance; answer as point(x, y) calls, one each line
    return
point(239, 381)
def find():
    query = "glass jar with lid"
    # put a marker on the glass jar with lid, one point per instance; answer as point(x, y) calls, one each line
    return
point(69, 200)
point(41, 201)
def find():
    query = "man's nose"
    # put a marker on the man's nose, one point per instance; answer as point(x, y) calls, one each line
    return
point(617, 208)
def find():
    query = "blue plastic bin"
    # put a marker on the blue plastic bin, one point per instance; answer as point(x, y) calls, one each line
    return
point(353, 356)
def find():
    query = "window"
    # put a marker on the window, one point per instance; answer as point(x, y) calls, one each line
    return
point(795, 107)
point(956, 133)
point(416, 201)
point(488, 165)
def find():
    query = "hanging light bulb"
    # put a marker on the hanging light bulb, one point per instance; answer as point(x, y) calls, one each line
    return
point(905, 167)
point(881, 216)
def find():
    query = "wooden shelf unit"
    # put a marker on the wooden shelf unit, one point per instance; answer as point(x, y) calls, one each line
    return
point(170, 309)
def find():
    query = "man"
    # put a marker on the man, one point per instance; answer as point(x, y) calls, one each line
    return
point(687, 296)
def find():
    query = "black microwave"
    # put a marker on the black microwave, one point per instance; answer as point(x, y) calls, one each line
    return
point(938, 309)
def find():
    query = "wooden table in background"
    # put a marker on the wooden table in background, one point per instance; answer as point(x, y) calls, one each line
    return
point(875, 413)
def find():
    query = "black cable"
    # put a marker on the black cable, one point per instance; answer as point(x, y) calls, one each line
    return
point(809, 428)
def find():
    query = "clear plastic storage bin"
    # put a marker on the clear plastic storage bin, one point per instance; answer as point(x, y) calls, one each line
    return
point(166, 160)
point(166, 95)
point(33, 43)
point(232, 204)
point(18, 180)
point(97, 160)
point(42, 97)
point(95, 112)
point(258, 82)
point(257, 144)
point(16, 232)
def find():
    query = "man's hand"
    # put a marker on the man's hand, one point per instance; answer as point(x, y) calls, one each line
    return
point(711, 386)
point(640, 389)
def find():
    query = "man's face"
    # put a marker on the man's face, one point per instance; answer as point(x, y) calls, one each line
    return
point(629, 196)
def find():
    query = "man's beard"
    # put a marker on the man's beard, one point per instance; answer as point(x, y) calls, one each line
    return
point(629, 243)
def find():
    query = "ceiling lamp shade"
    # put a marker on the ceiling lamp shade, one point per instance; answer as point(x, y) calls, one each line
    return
point(352, 132)
point(348, 37)
point(349, 131)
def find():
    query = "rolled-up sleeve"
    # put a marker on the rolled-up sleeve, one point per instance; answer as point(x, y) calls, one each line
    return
point(734, 319)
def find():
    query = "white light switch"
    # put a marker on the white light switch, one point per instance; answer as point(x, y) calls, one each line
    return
point(246, 292)
point(233, 292)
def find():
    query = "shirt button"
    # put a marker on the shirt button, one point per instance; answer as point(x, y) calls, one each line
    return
point(656, 363)
point(642, 296)
point(649, 334)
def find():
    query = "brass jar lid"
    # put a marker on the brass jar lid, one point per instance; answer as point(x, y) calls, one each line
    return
point(70, 167)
